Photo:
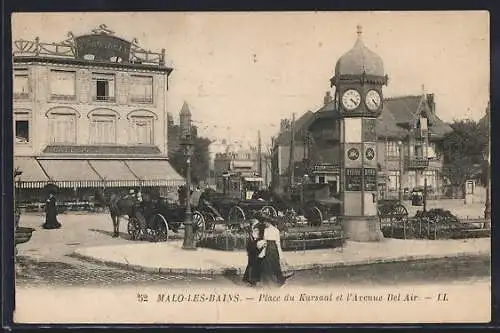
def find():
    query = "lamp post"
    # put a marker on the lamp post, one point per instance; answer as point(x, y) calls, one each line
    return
point(186, 141)
point(400, 187)
point(487, 204)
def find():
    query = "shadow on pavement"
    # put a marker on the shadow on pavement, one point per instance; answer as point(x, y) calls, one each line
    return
point(110, 234)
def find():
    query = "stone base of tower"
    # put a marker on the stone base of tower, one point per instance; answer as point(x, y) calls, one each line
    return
point(362, 228)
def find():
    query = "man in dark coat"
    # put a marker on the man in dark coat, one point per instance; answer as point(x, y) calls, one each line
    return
point(253, 270)
point(51, 213)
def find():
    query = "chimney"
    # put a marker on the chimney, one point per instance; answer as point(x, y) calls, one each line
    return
point(284, 125)
point(432, 104)
point(328, 98)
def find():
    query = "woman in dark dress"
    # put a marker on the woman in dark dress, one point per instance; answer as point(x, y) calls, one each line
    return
point(252, 271)
point(271, 272)
point(51, 213)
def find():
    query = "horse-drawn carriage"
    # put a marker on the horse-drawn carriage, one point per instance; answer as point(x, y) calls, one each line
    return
point(313, 202)
point(221, 208)
point(156, 217)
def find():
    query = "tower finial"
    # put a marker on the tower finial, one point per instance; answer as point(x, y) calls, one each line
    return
point(423, 89)
point(359, 30)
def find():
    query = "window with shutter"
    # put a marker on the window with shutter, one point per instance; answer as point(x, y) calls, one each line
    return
point(21, 85)
point(141, 89)
point(142, 130)
point(393, 184)
point(62, 128)
point(63, 85)
point(103, 129)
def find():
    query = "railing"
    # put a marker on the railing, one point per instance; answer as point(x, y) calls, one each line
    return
point(67, 49)
point(427, 228)
point(28, 48)
point(62, 97)
point(142, 100)
point(416, 163)
point(110, 99)
point(18, 95)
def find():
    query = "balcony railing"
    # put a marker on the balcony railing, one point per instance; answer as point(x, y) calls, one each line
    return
point(63, 97)
point(416, 163)
point(110, 99)
point(19, 95)
point(141, 100)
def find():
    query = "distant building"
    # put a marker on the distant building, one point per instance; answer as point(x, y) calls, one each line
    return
point(245, 162)
point(89, 112)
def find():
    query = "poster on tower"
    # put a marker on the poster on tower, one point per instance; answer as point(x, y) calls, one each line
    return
point(249, 168)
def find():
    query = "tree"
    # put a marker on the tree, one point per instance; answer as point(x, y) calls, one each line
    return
point(200, 160)
point(463, 150)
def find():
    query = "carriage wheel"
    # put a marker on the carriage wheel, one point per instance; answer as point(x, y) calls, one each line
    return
point(315, 216)
point(399, 213)
point(160, 226)
point(236, 214)
point(269, 210)
point(210, 222)
point(198, 225)
point(133, 228)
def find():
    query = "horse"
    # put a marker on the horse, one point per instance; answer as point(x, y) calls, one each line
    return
point(118, 206)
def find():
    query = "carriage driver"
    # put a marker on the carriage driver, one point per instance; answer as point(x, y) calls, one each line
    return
point(132, 194)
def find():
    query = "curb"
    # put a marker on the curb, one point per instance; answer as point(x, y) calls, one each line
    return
point(231, 271)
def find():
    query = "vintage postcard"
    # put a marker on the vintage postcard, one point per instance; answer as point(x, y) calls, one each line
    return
point(252, 167)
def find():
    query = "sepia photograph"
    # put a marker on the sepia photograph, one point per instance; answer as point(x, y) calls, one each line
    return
point(251, 167)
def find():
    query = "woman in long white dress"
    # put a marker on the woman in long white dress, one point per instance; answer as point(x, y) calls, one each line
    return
point(271, 272)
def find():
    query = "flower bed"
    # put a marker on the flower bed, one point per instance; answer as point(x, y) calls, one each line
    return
point(290, 240)
point(434, 224)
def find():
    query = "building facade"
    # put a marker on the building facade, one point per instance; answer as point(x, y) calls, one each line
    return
point(409, 136)
point(90, 111)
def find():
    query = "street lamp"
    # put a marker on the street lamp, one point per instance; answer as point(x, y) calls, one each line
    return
point(487, 204)
point(187, 142)
point(400, 188)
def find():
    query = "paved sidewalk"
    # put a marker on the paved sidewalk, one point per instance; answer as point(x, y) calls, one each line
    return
point(171, 258)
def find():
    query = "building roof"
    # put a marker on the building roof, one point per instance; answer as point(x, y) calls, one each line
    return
point(185, 109)
point(360, 60)
point(405, 110)
point(301, 124)
point(398, 114)
point(100, 47)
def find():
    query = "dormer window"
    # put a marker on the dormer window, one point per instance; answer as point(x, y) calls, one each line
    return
point(423, 123)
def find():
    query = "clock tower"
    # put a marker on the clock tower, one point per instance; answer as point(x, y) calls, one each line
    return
point(358, 81)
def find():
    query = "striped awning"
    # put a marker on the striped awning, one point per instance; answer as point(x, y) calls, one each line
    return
point(33, 175)
point(71, 173)
point(114, 173)
point(154, 172)
point(94, 173)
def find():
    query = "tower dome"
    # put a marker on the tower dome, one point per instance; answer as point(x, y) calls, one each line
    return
point(359, 60)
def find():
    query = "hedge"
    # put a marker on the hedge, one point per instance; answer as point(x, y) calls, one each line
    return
point(290, 241)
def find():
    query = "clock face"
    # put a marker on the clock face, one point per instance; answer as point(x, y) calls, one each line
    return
point(373, 100)
point(351, 99)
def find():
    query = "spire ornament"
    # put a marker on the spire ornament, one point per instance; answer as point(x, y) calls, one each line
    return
point(359, 30)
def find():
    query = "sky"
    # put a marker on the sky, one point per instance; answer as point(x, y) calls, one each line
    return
point(241, 72)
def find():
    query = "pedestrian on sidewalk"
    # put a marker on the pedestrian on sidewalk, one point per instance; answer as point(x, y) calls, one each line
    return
point(271, 262)
point(51, 213)
point(256, 234)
